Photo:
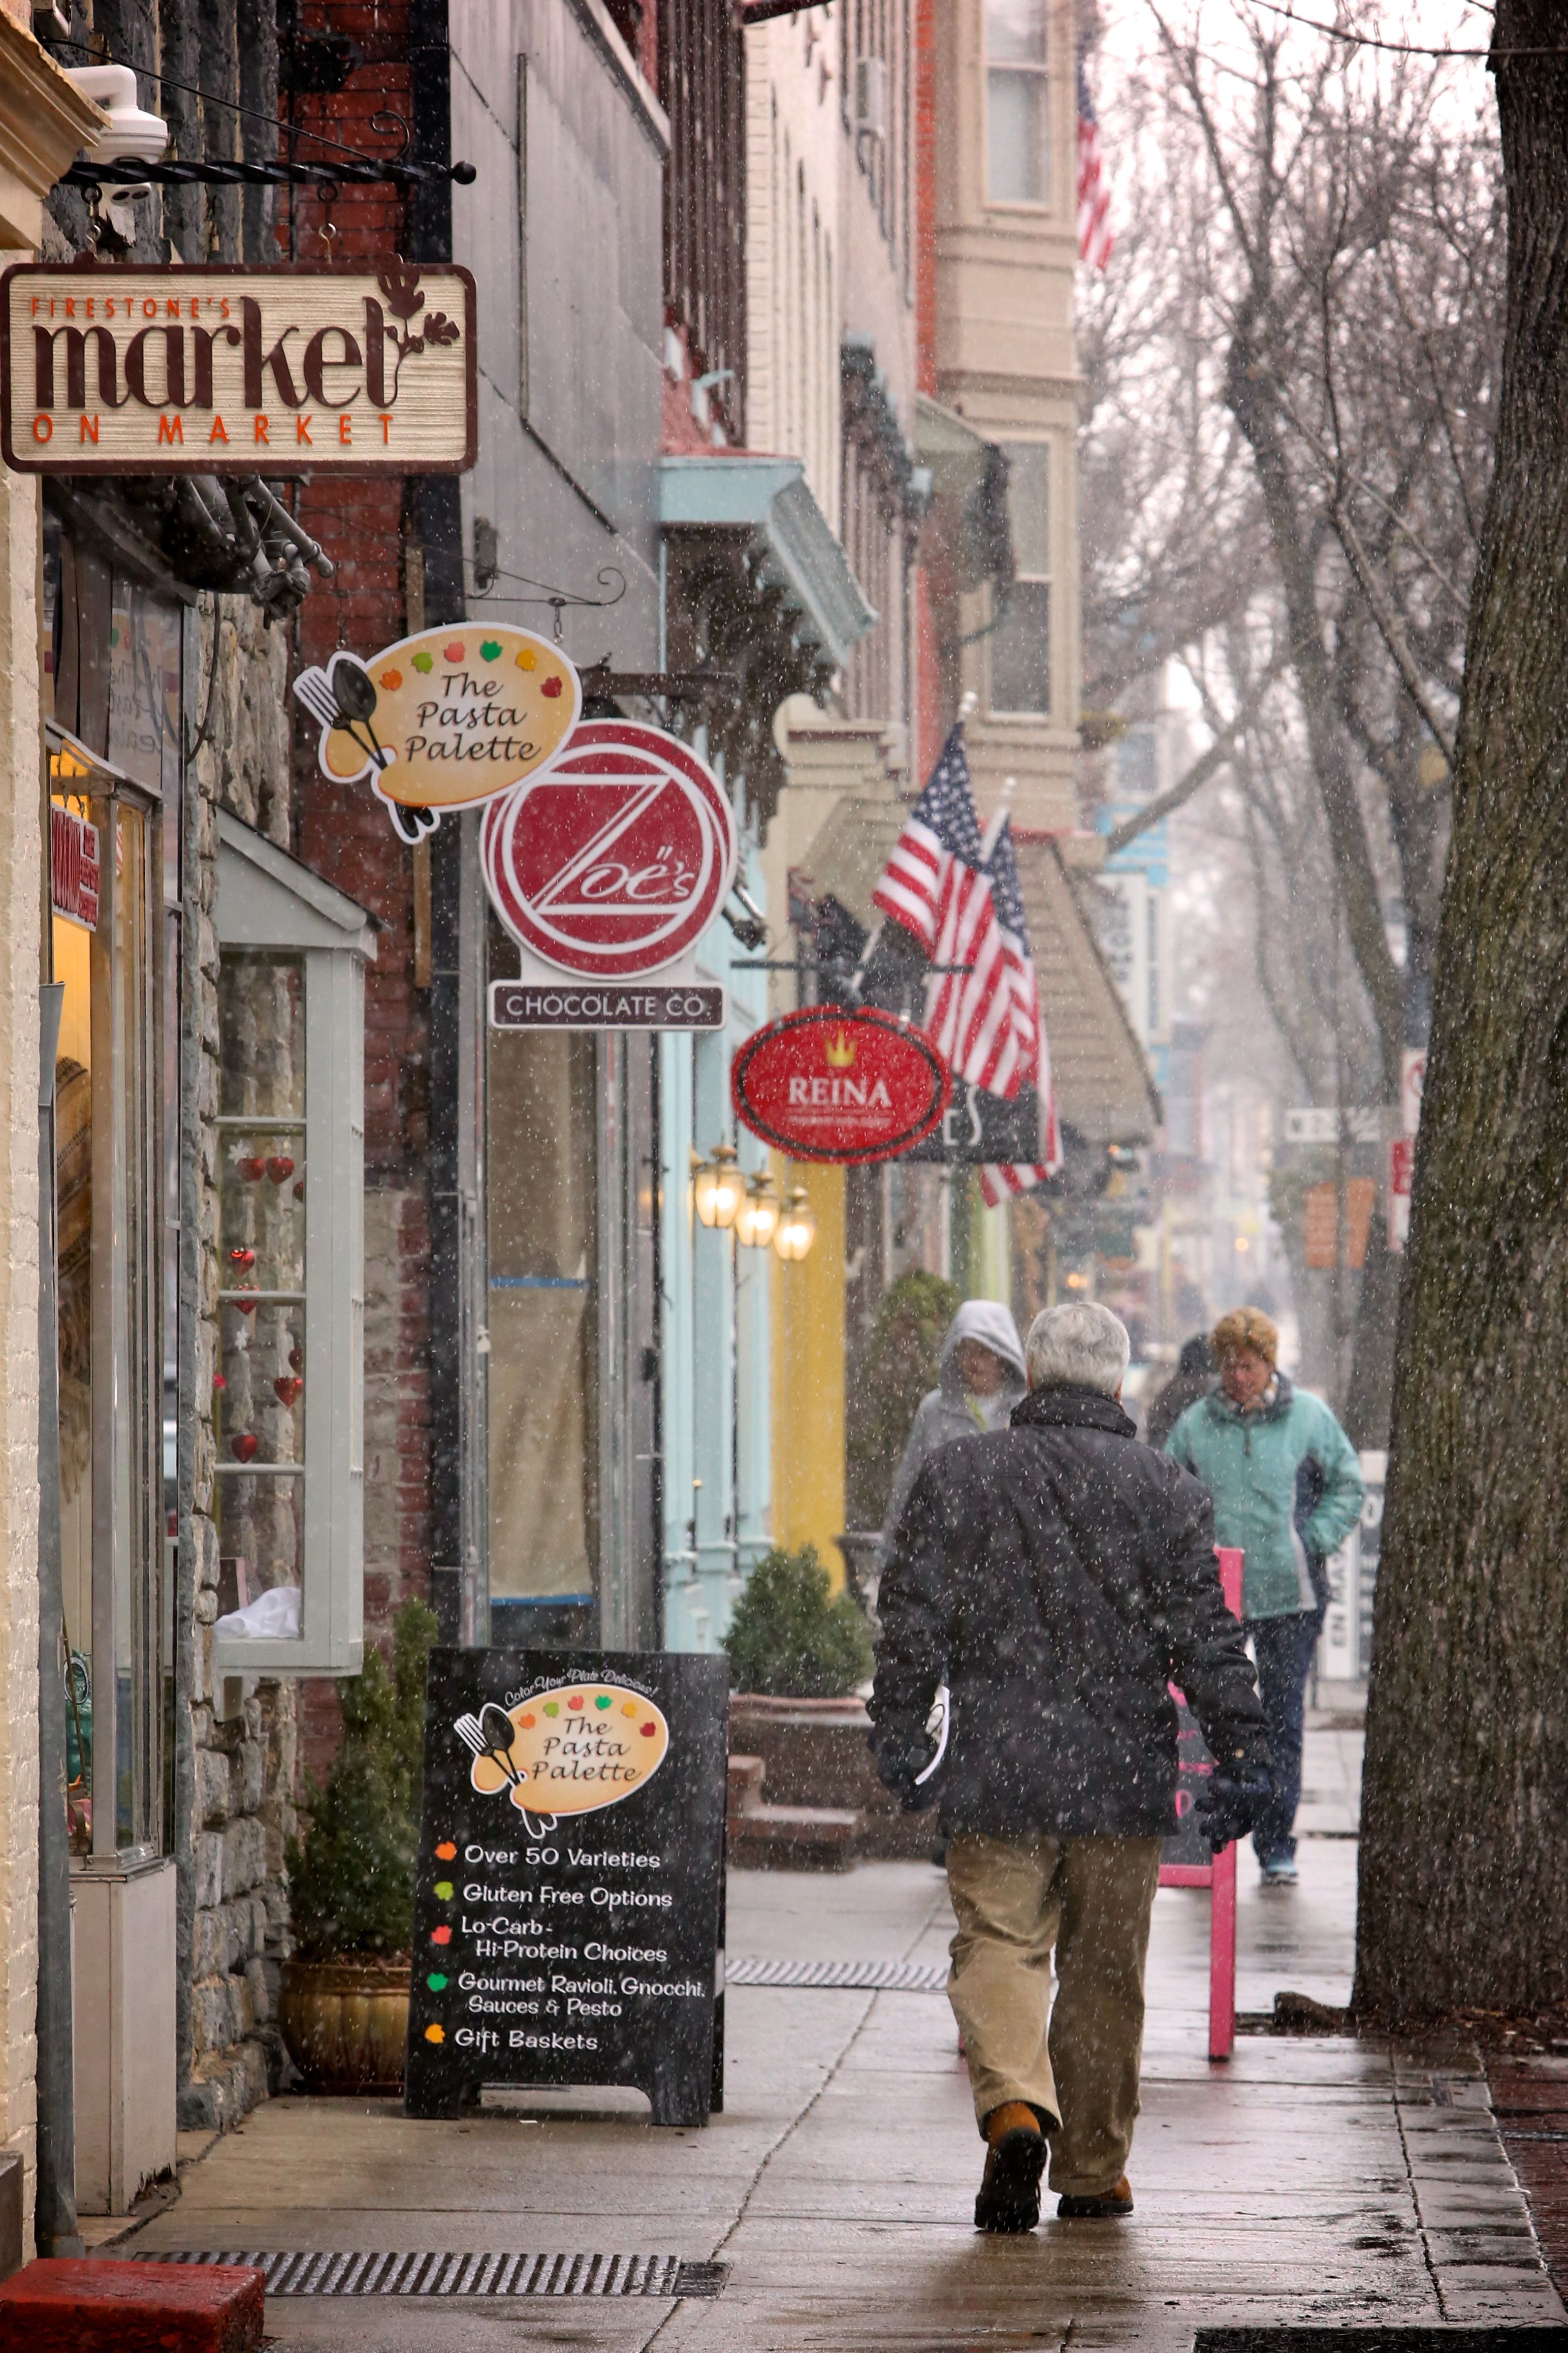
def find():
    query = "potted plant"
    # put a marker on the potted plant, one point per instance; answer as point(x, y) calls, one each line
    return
point(343, 2006)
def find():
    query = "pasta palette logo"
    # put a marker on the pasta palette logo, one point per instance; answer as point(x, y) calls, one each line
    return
point(613, 863)
point(569, 1749)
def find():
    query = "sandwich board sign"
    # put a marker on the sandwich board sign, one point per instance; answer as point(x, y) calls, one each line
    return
point(569, 1891)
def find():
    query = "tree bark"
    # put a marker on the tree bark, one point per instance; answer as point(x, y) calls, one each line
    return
point(1464, 1861)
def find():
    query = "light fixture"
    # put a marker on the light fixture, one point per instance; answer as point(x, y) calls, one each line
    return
point(131, 135)
point(796, 1227)
point(757, 1219)
point(717, 1186)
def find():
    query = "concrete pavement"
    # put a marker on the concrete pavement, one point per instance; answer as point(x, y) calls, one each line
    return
point(1305, 2180)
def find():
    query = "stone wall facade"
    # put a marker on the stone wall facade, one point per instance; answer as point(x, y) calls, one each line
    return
point(245, 1764)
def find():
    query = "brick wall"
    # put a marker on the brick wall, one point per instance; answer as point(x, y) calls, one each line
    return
point(344, 833)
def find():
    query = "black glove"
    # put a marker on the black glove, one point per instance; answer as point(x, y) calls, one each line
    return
point(1230, 1804)
point(900, 1753)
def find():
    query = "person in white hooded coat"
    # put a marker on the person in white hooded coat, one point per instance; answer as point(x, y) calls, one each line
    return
point(980, 1379)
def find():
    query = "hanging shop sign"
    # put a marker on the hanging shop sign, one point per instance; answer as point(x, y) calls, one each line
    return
point(73, 867)
point(444, 720)
point(310, 368)
point(568, 1896)
point(979, 1130)
point(614, 1005)
point(611, 864)
point(829, 1084)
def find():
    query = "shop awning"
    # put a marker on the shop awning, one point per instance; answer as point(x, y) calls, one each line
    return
point(1102, 1083)
point(765, 502)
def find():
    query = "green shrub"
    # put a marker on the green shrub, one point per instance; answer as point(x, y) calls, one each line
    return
point(788, 1640)
point(351, 1885)
point(896, 1368)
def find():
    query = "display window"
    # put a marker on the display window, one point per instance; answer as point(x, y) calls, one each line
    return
point(288, 1372)
point(106, 945)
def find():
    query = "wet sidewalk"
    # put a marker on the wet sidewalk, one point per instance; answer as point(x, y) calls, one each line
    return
point(1304, 2180)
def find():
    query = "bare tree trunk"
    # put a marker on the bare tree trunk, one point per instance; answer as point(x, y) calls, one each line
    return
point(1464, 1863)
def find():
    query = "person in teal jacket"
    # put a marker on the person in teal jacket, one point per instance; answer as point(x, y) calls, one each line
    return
point(1287, 1489)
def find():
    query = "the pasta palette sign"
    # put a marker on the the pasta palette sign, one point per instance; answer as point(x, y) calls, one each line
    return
point(567, 1906)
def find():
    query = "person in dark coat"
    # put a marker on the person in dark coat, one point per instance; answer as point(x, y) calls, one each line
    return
point(1193, 1379)
point(1057, 1576)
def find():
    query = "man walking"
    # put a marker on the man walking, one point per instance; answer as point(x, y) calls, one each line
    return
point(1057, 1576)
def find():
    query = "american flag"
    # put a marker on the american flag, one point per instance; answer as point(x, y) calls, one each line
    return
point(958, 894)
point(998, 1181)
point(1095, 237)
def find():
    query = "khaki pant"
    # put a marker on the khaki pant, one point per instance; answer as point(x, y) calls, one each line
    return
point(1091, 1898)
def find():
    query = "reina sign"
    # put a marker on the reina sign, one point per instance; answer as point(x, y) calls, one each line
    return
point(315, 367)
point(828, 1084)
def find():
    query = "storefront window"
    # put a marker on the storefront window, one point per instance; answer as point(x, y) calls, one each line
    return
point(544, 1443)
point(287, 1375)
point(258, 1418)
point(105, 944)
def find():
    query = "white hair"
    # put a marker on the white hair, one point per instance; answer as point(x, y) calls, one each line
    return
point(1078, 1345)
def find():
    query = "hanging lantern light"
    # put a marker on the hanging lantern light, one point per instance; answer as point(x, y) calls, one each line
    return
point(757, 1219)
point(717, 1186)
point(796, 1227)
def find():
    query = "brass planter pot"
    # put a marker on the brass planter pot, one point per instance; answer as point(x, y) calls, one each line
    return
point(345, 2022)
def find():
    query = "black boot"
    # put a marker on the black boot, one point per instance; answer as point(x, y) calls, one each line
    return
point(1009, 2197)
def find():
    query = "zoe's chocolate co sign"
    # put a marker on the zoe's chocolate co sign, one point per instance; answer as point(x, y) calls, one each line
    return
point(317, 367)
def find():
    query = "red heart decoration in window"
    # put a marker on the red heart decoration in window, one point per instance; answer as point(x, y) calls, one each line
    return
point(281, 1168)
point(251, 1170)
point(248, 1304)
point(245, 1447)
point(244, 1258)
point(287, 1387)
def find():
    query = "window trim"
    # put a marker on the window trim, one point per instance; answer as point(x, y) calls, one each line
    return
point(1007, 716)
point(268, 902)
point(1031, 207)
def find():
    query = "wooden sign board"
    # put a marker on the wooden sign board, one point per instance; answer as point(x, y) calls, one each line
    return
point(569, 1894)
point(1322, 1223)
point(309, 368)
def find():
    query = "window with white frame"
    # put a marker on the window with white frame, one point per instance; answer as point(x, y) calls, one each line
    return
point(1021, 641)
point(288, 1412)
point(1017, 99)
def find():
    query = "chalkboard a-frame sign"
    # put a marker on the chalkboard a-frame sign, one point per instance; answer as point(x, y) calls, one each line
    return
point(569, 1892)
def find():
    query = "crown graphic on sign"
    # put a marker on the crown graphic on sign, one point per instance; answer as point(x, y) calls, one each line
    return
point(840, 1050)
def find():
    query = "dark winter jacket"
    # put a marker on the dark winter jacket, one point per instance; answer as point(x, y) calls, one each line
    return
point(1057, 1576)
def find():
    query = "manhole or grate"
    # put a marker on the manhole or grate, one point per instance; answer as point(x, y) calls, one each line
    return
point(291, 2273)
point(1550, 2340)
point(871, 1976)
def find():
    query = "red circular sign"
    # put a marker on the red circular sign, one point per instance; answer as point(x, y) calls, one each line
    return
point(613, 861)
point(827, 1084)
